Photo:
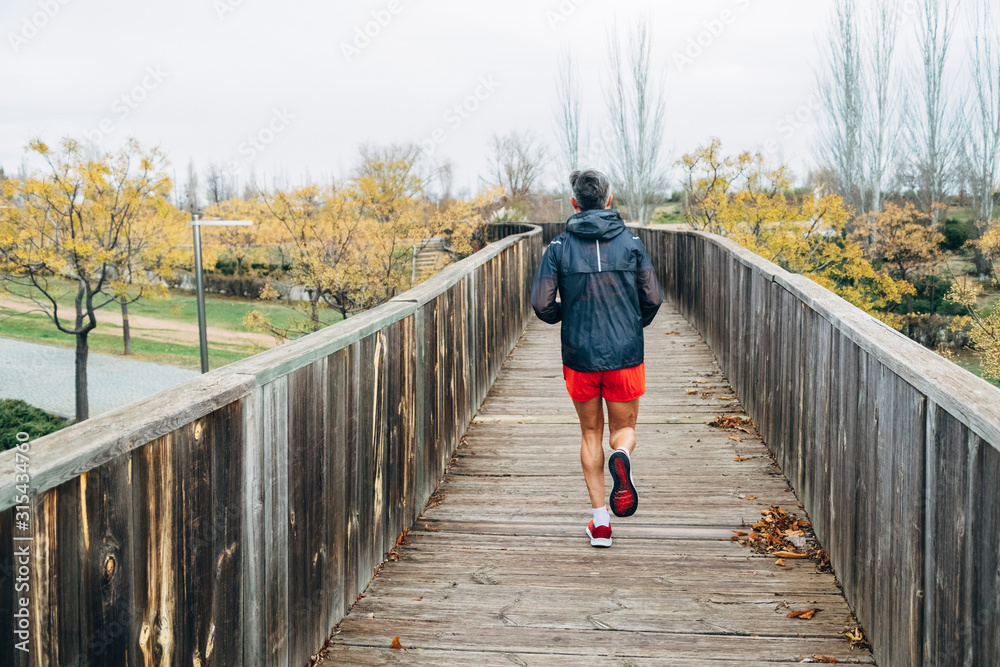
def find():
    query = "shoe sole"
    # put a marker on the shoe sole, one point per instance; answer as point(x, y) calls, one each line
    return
point(599, 542)
point(624, 497)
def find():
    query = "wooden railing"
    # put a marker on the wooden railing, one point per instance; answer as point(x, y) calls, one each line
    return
point(232, 520)
point(892, 449)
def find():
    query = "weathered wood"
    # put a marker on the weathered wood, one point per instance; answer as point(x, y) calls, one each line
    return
point(233, 519)
point(499, 563)
point(883, 440)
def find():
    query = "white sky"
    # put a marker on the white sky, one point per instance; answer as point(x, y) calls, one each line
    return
point(227, 69)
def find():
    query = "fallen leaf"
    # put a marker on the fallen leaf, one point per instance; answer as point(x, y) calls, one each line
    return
point(736, 438)
point(726, 398)
point(735, 538)
point(417, 599)
point(741, 458)
point(790, 554)
point(823, 658)
point(780, 561)
point(672, 333)
point(395, 643)
point(741, 533)
point(700, 381)
point(750, 498)
point(804, 614)
point(691, 391)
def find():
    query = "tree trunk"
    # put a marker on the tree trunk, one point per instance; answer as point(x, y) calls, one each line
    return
point(314, 312)
point(82, 403)
point(126, 335)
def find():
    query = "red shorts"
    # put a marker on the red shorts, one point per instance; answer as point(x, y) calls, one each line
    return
point(622, 385)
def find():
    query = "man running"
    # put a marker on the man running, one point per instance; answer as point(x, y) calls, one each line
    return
point(607, 293)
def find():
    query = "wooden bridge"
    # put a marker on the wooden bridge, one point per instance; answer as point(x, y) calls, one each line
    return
point(279, 505)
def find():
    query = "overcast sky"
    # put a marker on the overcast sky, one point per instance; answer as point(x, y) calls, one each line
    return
point(290, 88)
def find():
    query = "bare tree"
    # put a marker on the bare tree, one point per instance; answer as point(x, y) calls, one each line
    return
point(219, 186)
point(983, 138)
point(933, 125)
point(881, 125)
point(636, 104)
point(567, 115)
point(516, 161)
point(841, 85)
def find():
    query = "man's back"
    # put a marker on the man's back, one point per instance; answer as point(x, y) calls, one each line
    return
point(608, 291)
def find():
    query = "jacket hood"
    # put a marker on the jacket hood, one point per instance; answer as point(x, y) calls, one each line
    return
point(596, 224)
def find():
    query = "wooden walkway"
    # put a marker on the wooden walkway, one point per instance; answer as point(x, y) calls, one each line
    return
point(499, 571)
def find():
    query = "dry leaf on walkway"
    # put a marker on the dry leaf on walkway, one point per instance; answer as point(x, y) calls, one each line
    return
point(736, 438)
point(700, 381)
point(804, 614)
point(823, 658)
point(790, 554)
point(742, 458)
point(780, 561)
point(395, 643)
point(691, 391)
point(749, 498)
point(672, 333)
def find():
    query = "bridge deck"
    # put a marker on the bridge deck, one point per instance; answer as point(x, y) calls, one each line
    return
point(498, 571)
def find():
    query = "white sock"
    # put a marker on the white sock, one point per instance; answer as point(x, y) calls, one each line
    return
point(625, 452)
point(601, 516)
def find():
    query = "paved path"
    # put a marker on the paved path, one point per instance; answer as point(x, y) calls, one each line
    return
point(498, 571)
point(43, 376)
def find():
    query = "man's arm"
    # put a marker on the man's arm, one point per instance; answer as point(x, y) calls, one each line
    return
point(650, 294)
point(545, 286)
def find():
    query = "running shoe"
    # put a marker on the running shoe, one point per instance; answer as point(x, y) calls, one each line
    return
point(624, 497)
point(600, 536)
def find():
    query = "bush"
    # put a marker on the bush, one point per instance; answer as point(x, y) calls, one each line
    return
point(930, 298)
point(17, 416)
point(956, 233)
point(245, 287)
point(935, 331)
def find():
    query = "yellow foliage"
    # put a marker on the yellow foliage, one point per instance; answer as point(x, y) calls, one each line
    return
point(985, 325)
point(744, 199)
point(104, 223)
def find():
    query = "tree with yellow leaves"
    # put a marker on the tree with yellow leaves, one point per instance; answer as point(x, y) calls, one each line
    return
point(743, 198)
point(243, 243)
point(985, 332)
point(97, 222)
point(901, 237)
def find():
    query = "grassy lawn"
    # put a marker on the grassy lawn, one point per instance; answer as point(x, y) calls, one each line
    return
point(669, 214)
point(36, 328)
point(181, 306)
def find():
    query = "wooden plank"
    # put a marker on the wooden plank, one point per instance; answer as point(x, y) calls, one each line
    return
point(252, 533)
point(276, 520)
point(308, 582)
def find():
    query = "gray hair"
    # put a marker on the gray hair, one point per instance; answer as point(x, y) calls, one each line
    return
point(590, 188)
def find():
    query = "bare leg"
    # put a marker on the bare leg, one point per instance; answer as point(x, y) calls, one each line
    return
point(591, 415)
point(621, 419)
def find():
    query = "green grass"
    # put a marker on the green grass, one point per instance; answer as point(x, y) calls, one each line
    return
point(181, 306)
point(669, 214)
point(36, 328)
point(970, 361)
point(17, 416)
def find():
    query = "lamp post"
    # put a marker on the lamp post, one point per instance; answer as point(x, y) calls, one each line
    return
point(196, 224)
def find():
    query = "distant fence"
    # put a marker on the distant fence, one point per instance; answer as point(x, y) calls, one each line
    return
point(892, 449)
point(233, 519)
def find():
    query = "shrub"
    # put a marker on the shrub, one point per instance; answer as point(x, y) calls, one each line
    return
point(956, 233)
point(245, 287)
point(17, 416)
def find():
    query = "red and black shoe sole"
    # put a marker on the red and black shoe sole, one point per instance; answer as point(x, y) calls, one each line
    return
point(624, 498)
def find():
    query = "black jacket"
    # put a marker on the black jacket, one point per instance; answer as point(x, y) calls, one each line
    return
point(608, 290)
